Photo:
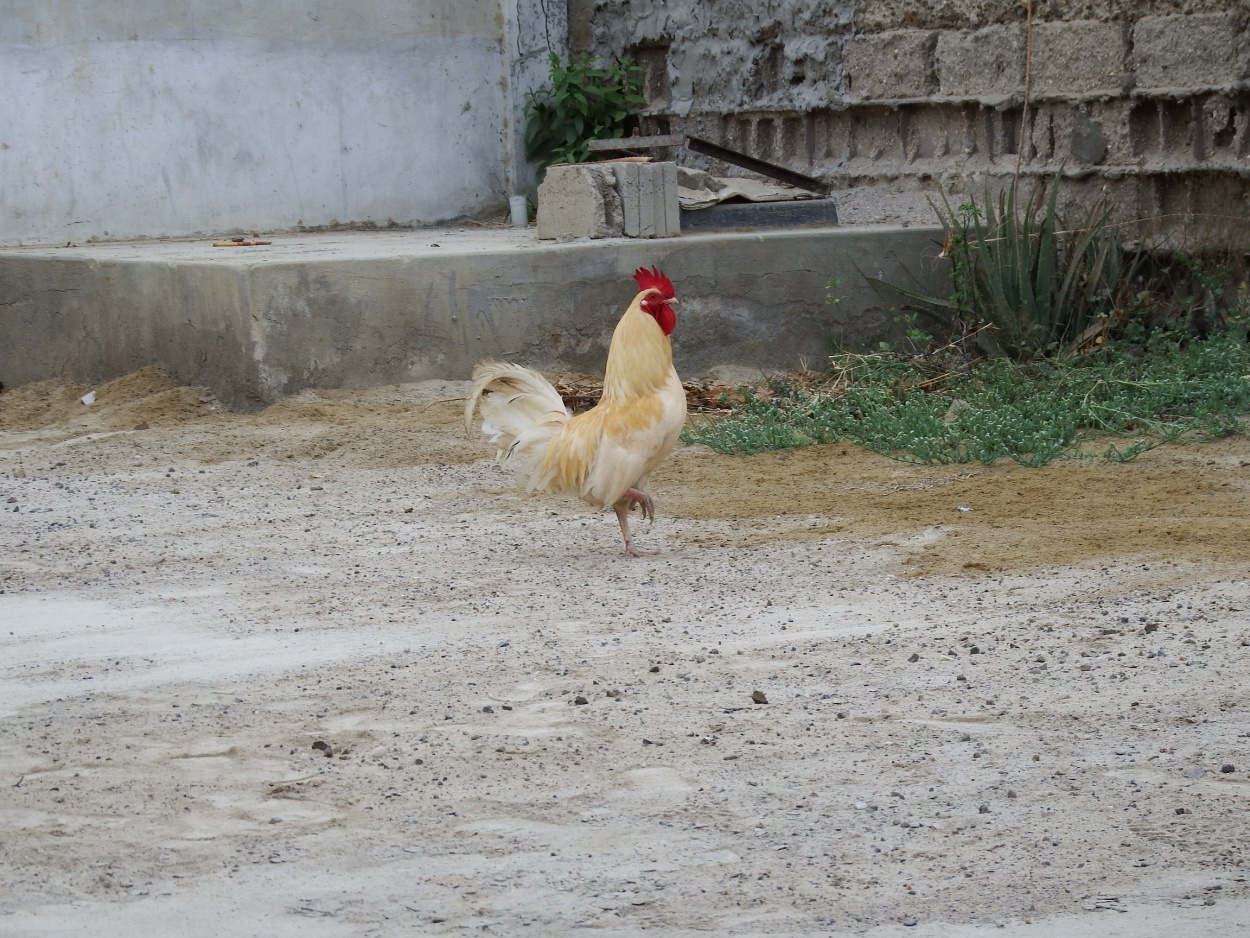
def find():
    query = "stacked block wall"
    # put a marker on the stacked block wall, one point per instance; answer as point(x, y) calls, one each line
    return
point(1147, 102)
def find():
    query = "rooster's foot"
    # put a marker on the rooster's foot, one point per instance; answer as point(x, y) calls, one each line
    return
point(635, 552)
point(643, 501)
point(622, 508)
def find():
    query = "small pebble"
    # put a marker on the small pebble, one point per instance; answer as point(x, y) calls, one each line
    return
point(757, 696)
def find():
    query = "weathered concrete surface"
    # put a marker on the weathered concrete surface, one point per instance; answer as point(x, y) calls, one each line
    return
point(895, 64)
point(1190, 51)
point(359, 309)
point(981, 63)
point(149, 119)
point(1080, 58)
point(533, 30)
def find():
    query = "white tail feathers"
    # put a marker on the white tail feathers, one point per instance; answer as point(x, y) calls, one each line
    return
point(520, 412)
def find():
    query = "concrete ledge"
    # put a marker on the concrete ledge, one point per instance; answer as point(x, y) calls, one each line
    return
point(362, 309)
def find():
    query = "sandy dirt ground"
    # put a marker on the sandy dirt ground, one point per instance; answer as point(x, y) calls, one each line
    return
point(322, 671)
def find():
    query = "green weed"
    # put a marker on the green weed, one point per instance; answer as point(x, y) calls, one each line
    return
point(585, 102)
point(941, 408)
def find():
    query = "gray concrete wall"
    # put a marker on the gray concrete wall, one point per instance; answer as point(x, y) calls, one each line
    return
point(356, 309)
point(142, 118)
point(536, 28)
point(1146, 101)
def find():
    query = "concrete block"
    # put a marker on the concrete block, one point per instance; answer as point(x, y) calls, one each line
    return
point(894, 64)
point(981, 63)
point(1090, 133)
point(672, 208)
point(649, 205)
point(608, 200)
point(1192, 52)
point(1084, 57)
point(579, 200)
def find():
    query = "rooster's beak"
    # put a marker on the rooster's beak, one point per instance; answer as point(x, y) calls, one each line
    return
point(672, 302)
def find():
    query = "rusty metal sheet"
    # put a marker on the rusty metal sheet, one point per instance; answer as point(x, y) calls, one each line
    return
point(764, 168)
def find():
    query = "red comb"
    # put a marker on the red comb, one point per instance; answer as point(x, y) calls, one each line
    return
point(654, 278)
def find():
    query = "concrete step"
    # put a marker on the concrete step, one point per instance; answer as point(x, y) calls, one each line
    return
point(357, 309)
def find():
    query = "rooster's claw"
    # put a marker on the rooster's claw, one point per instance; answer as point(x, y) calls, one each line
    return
point(642, 501)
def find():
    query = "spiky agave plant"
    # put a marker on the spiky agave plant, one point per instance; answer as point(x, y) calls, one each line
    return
point(1027, 283)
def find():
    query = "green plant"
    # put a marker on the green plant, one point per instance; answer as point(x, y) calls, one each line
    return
point(1203, 291)
point(1038, 284)
point(833, 295)
point(936, 408)
point(585, 102)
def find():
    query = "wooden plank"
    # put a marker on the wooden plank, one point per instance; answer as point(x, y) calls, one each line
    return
point(638, 143)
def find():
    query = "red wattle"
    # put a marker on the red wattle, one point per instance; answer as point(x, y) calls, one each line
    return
point(666, 318)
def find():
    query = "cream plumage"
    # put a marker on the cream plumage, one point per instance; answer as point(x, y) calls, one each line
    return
point(605, 455)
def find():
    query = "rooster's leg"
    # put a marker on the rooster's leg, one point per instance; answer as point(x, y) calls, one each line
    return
point(622, 515)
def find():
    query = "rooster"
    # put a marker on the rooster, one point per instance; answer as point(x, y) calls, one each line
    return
point(605, 455)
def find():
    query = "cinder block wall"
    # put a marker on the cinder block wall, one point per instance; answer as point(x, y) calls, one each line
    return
point(1146, 101)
